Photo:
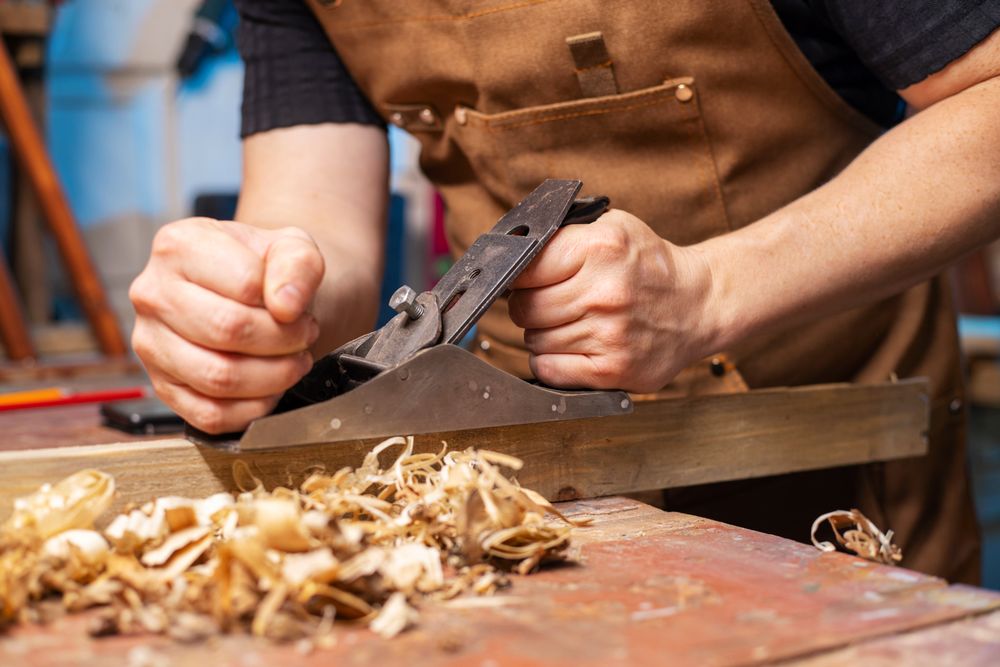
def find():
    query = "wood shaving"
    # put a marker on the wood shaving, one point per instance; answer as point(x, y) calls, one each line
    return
point(856, 533)
point(370, 543)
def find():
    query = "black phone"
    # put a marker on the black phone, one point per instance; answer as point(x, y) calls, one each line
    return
point(147, 416)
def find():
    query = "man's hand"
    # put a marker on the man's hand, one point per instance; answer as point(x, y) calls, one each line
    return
point(611, 305)
point(223, 323)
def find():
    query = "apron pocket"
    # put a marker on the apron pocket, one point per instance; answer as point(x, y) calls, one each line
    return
point(612, 144)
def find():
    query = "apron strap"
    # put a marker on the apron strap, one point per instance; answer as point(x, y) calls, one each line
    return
point(594, 69)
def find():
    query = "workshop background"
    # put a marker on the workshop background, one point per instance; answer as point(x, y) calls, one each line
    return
point(139, 104)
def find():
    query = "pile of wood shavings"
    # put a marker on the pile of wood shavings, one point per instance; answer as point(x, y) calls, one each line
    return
point(859, 535)
point(364, 544)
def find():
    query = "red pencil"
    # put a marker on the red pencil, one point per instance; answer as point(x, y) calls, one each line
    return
point(101, 396)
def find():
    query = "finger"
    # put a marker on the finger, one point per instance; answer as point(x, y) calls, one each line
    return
point(222, 324)
point(569, 371)
point(545, 307)
point(575, 338)
point(204, 253)
point(293, 269)
point(211, 415)
point(561, 258)
point(217, 374)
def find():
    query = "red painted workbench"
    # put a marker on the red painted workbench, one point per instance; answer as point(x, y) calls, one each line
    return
point(647, 588)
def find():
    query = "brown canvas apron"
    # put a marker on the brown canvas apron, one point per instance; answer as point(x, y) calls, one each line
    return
point(699, 118)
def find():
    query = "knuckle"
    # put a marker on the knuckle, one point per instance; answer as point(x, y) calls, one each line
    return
point(611, 296)
point(305, 257)
point(543, 368)
point(138, 292)
point(231, 325)
point(165, 391)
point(219, 376)
point(606, 371)
point(612, 242)
point(208, 416)
point(140, 343)
point(295, 233)
point(170, 238)
point(249, 284)
point(293, 371)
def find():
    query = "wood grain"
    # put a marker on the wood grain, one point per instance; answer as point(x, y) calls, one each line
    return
point(664, 443)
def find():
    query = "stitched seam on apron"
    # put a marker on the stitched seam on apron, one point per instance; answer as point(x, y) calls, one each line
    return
point(599, 104)
point(657, 94)
point(715, 167)
point(492, 127)
point(442, 18)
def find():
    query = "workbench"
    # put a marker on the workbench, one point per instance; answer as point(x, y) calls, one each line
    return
point(644, 587)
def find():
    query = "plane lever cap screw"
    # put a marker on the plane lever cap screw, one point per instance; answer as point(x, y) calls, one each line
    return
point(404, 300)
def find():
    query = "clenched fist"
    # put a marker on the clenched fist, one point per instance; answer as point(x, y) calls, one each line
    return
point(223, 324)
point(611, 305)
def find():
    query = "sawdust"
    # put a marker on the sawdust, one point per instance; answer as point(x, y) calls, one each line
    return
point(370, 544)
point(856, 533)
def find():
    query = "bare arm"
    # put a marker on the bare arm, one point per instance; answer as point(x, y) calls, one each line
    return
point(613, 305)
point(331, 181)
point(919, 198)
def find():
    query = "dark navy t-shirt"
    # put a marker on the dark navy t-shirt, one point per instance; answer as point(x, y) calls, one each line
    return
point(865, 50)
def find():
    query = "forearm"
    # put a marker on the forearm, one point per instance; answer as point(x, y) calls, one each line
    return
point(332, 182)
point(916, 200)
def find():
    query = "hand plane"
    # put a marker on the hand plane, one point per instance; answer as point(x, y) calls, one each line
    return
point(411, 376)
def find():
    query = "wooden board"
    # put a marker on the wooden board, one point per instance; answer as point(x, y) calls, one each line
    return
point(664, 443)
point(973, 642)
point(647, 588)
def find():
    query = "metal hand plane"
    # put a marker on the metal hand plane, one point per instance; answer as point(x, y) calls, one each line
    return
point(411, 376)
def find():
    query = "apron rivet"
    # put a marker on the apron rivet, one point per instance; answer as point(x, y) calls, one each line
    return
point(397, 119)
point(683, 93)
point(484, 346)
point(427, 116)
point(955, 407)
point(461, 115)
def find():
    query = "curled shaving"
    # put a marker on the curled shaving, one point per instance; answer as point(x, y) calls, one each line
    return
point(370, 543)
point(856, 532)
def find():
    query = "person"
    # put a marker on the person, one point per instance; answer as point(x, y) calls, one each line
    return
point(764, 211)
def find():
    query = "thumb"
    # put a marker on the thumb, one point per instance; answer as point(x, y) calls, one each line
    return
point(293, 269)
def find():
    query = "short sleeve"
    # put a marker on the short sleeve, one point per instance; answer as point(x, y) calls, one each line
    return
point(293, 75)
point(905, 41)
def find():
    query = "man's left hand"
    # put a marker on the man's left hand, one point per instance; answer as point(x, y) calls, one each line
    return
point(611, 305)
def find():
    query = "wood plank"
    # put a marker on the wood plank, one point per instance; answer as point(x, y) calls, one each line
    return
point(649, 588)
point(664, 443)
point(973, 642)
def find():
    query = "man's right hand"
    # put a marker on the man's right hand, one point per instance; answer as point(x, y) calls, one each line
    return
point(223, 324)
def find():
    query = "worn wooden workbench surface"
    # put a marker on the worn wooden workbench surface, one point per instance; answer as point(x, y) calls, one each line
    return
point(648, 587)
